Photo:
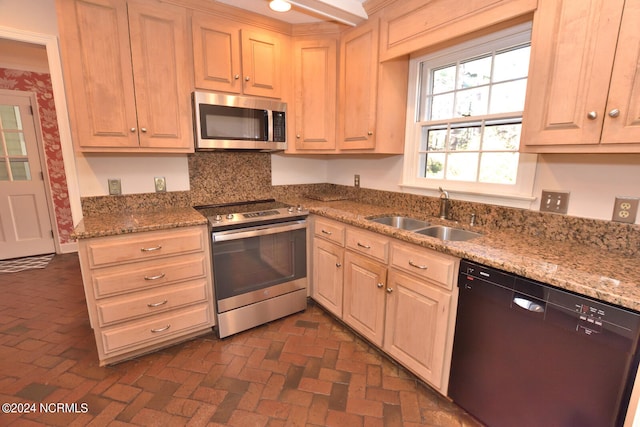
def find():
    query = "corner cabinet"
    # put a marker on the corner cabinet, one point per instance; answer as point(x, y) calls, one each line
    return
point(231, 58)
point(147, 290)
point(583, 93)
point(399, 296)
point(127, 75)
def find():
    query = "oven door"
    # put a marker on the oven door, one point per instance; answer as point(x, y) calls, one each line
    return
point(258, 263)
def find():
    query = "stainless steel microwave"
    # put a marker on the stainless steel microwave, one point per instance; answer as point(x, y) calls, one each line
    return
point(238, 122)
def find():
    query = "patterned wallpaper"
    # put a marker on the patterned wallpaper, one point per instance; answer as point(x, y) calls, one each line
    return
point(40, 83)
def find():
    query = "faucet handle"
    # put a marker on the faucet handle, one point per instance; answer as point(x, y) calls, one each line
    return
point(443, 193)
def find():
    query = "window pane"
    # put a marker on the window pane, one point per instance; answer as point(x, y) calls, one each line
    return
point(434, 165)
point(507, 97)
point(436, 139)
point(499, 168)
point(444, 79)
point(15, 144)
point(441, 107)
point(511, 64)
point(475, 72)
point(20, 170)
point(10, 117)
point(465, 139)
point(502, 137)
point(472, 102)
point(4, 174)
point(462, 166)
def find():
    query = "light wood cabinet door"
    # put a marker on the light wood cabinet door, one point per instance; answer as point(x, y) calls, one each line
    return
point(417, 326)
point(261, 63)
point(94, 35)
point(583, 93)
point(624, 92)
point(364, 296)
point(327, 289)
point(216, 54)
point(315, 79)
point(358, 87)
point(128, 75)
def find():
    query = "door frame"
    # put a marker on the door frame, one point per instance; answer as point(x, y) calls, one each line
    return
point(50, 42)
point(42, 159)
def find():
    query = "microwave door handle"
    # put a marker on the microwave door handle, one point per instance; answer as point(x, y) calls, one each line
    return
point(223, 236)
point(269, 125)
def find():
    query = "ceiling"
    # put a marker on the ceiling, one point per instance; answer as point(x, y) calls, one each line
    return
point(306, 11)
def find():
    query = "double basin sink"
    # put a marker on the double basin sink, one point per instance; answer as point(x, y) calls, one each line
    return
point(441, 232)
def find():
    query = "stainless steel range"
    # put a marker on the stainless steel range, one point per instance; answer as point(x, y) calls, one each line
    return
point(259, 262)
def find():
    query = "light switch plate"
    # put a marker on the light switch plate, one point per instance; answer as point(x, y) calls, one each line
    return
point(161, 184)
point(625, 210)
point(554, 201)
point(115, 189)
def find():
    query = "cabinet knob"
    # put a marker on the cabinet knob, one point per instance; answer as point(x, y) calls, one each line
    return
point(298, 135)
point(132, 130)
point(389, 290)
point(338, 265)
point(380, 285)
point(246, 79)
point(592, 115)
point(614, 113)
point(143, 130)
point(369, 133)
point(236, 76)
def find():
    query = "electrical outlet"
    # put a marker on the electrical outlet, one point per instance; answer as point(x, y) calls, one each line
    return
point(160, 183)
point(356, 181)
point(625, 210)
point(554, 201)
point(115, 189)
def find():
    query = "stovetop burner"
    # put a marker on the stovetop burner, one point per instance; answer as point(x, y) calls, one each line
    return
point(227, 216)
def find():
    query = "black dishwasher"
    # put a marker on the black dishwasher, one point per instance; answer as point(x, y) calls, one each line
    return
point(527, 354)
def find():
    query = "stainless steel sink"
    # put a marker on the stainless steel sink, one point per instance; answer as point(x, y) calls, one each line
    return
point(448, 233)
point(402, 222)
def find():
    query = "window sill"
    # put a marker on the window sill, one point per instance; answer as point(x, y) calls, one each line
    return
point(508, 200)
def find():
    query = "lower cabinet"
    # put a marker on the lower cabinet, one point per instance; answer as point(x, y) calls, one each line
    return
point(147, 290)
point(399, 296)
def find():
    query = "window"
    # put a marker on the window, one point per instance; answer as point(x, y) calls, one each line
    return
point(465, 114)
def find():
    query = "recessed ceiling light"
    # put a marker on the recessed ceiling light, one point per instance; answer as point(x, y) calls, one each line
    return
point(279, 5)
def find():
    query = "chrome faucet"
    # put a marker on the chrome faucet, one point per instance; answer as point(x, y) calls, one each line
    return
point(444, 204)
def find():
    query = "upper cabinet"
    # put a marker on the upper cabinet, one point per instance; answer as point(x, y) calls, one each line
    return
point(583, 93)
point(232, 58)
point(315, 80)
point(127, 75)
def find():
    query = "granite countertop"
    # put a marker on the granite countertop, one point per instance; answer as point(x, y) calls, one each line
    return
point(583, 269)
point(113, 224)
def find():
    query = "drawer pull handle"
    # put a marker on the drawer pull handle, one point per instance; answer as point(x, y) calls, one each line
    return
point(364, 246)
point(157, 304)
point(160, 329)
point(156, 277)
point(421, 267)
point(327, 232)
point(155, 248)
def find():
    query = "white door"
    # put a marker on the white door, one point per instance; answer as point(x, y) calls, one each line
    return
point(25, 224)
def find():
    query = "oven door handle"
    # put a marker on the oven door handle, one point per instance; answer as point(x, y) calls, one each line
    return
point(264, 230)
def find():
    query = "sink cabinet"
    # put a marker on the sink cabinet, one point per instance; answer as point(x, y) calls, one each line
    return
point(399, 296)
point(583, 93)
point(127, 75)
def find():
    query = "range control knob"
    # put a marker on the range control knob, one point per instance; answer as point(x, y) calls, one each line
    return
point(218, 217)
point(290, 209)
point(299, 208)
point(229, 216)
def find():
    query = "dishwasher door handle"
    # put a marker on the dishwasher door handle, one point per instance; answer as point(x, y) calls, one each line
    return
point(528, 304)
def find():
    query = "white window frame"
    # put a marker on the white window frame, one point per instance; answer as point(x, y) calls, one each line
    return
point(517, 195)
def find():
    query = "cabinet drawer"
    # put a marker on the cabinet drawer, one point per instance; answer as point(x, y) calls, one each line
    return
point(149, 302)
point(370, 244)
point(156, 328)
point(141, 246)
point(330, 230)
point(425, 263)
point(132, 277)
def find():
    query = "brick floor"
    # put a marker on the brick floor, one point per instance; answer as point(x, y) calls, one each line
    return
point(304, 370)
